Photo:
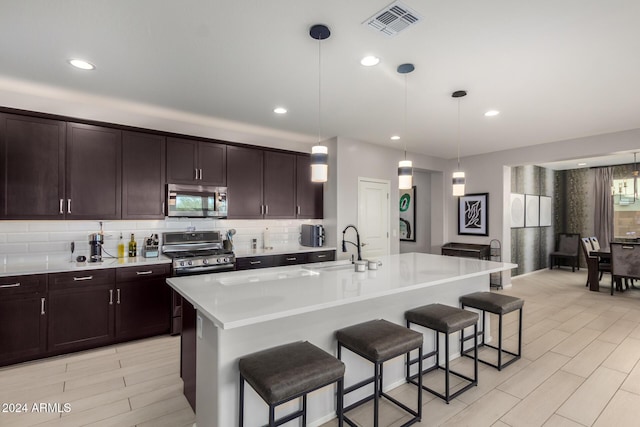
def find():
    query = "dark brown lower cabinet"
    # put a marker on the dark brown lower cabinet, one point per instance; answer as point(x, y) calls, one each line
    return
point(143, 301)
point(81, 310)
point(23, 318)
point(188, 353)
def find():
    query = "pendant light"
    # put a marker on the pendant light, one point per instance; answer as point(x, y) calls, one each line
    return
point(319, 152)
point(458, 176)
point(405, 167)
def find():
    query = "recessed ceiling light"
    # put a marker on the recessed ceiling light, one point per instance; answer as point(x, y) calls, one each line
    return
point(395, 138)
point(492, 113)
point(83, 65)
point(370, 61)
point(280, 110)
point(582, 164)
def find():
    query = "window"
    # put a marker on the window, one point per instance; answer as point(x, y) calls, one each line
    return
point(626, 208)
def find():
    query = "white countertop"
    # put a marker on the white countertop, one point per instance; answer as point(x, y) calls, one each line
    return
point(18, 269)
point(240, 253)
point(235, 299)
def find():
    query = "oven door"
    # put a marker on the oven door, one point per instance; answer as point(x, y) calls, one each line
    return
point(196, 201)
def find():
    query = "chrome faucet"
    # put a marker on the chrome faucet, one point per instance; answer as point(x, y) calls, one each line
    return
point(357, 244)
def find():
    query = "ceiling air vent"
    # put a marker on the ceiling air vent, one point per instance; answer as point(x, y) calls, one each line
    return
point(393, 19)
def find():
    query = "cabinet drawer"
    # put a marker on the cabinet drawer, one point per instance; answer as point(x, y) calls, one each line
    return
point(17, 285)
point(321, 256)
point(254, 262)
point(142, 272)
point(81, 278)
point(290, 259)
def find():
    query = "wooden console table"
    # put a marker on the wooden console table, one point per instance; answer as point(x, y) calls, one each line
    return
point(467, 250)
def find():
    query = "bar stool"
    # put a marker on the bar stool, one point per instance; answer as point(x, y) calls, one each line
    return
point(497, 304)
point(447, 320)
point(379, 341)
point(289, 371)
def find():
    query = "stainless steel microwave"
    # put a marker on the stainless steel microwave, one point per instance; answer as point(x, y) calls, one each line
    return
point(196, 201)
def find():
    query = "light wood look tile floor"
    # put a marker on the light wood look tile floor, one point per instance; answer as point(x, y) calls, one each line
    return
point(579, 368)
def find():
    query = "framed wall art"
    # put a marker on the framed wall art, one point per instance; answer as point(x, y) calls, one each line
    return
point(473, 214)
point(408, 215)
point(532, 210)
point(517, 210)
point(545, 211)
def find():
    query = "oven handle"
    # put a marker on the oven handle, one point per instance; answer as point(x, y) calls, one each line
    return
point(211, 269)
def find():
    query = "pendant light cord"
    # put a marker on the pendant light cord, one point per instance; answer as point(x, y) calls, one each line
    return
point(404, 125)
point(319, 88)
point(458, 134)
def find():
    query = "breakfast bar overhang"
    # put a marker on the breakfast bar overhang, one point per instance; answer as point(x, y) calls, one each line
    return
point(242, 312)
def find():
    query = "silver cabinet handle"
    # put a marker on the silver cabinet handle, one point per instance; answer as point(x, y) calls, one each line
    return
point(266, 209)
point(11, 285)
point(298, 212)
point(142, 273)
point(68, 205)
point(42, 305)
point(261, 209)
point(61, 206)
point(255, 262)
point(118, 297)
point(322, 256)
point(110, 296)
point(196, 172)
point(292, 259)
point(201, 174)
point(78, 279)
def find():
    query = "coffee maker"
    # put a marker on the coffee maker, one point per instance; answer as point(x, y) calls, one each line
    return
point(95, 245)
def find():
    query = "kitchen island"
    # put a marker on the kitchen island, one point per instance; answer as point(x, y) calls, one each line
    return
point(242, 312)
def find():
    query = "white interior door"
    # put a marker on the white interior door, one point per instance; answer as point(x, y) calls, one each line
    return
point(373, 217)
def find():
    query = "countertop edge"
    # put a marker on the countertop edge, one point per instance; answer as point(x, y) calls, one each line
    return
point(60, 267)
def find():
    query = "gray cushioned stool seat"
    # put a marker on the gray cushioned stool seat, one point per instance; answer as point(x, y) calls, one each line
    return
point(442, 318)
point(379, 340)
point(492, 302)
point(279, 373)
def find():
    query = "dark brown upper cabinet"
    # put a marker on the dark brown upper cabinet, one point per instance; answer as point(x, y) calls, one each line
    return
point(261, 184)
point(244, 183)
point(33, 164)
point(196, 162)
point(309, 195)
point(143, 175)
point(94, 172)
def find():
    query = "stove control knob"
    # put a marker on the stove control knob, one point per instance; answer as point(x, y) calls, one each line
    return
point(205, 261)
point(190, 263)
point(181, 263)
point(218, 260)
point(226, 259)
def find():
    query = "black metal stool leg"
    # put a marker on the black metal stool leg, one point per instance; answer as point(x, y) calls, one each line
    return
point(241, 403)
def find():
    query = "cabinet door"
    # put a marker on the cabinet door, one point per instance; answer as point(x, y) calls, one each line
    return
point(321, 256)
point(289, 259)
point(81, 310)
point(250, 263)
point(279, 185)
point(32, 161)
point(143, 302)
point(309, 195)
point(143, 170)
point(22, 318)
point(182, 161)
point(94, 172)
point(244, 183)
point(212, 160)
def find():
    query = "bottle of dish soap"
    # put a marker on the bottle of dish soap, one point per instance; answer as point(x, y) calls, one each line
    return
point(120, 247)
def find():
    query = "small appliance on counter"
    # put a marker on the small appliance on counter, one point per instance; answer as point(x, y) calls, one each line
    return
point(312, 235)
point(151, 247)
point(95, 245)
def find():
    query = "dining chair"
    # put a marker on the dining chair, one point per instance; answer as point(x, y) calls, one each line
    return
point(604, 262)
point(592, 261)
point(625, 263)
point(567, 248)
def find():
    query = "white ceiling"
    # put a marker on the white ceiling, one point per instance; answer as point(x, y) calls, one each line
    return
point(556, 69)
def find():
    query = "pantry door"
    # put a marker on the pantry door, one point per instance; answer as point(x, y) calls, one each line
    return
point(373, 217)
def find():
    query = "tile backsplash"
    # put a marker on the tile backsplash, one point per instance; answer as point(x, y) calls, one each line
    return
point(50, 241)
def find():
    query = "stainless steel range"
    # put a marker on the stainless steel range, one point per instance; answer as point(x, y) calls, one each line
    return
point(194, 252)
point(197, 252)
